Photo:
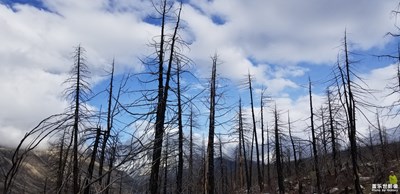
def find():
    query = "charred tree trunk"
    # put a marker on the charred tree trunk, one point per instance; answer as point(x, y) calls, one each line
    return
point(180, 134)
point(314, 141)
point(350, 110)
point(162, 100)
point(241, 136)
point(332, 131)
point(278, 154)
point(190, 152)
point(92, 160)
point(210, 187)
point(166, 165)
point(296, 165)
point(110, 166)
point(262, 135)
point(76, 120)
point(221, 164)
point(106, 135)
point(259, 174)
point(382, 142)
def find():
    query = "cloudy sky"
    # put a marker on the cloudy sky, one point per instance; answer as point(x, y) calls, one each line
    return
point(280, 42)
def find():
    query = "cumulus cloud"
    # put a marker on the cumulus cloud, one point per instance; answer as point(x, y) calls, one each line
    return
point(266, 38)
point(37, 49)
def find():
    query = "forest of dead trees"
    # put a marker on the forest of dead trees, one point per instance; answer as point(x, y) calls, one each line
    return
point(145, 129)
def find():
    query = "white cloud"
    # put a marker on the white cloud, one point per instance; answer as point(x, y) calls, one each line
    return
point(37, 49)
point(266, 38)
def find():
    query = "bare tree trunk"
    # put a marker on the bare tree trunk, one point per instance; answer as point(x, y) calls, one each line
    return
point(260, 179)
point(180, 133)
point(109, 125)
point(333, 135)
point(61, 163)
point(191, 152)
point(76, 120)
point(383, 143)
point(241, 136)
point(268, 163)
point(162, 100)
point(221, 164)
point(92, 160)
point(314, 141)
point(278, 154)
point(166, 165)
point(296, 165)
point(262, 135)
point(210, 187)
point(110, 166)
point(323, 132)
point(350, 108)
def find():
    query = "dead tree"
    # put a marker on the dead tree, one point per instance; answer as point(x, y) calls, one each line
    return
point(77, 92)
point(110, 111)
point(382, 141)
point(210, 185)
point(162, 93)
point(260, 179)
point(243, 145)
point(278, 153)
point(314, 140)
point(180, 134)
point(350, 110)
point(262, 99)
point(92, 160)
point(332, 132)
point(296, 165)
point(190, 151)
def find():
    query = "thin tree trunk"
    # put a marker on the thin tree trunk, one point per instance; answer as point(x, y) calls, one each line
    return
point(61, 164)
point(262, 135)
point(248, 182)
point(109, 125)
point(166, 165)
point(296, 165)
point(162, 101)
point(278, 154)
point(333, 136)
point(268, 163)
point(76, 122)
point(92, 160)
point(180, 133)
point(221, 164)
point(351, 119)
point(381, 138)
point(314, 141)
point(110, 166)
point(191, 152)
point(260, 179)
point(210, 187)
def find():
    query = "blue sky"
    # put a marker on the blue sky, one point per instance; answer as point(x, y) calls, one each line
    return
point(280, 42)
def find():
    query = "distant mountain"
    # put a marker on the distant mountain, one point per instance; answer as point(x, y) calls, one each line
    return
point(37, 174)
